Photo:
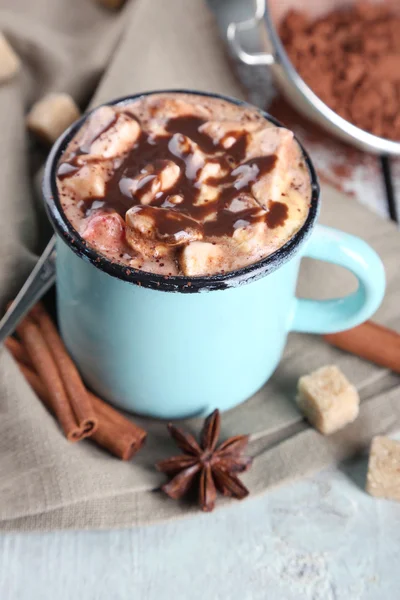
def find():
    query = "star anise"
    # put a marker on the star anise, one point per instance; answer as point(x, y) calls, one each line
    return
point(206, 466)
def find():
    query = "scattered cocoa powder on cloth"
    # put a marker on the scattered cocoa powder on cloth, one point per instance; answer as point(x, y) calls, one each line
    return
point(351, 59)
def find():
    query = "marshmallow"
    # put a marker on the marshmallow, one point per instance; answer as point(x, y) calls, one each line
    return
point(89, 181)
point(201, 258)
point(108, 135)
point(104, 231)
point(271, 141)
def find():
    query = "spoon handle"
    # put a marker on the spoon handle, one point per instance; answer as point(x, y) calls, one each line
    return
point(39, 281)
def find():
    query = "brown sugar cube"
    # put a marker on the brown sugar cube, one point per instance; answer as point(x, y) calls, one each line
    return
point(9, 60)
point(383, 478)
point(113, 4)
point(327, 399)
point(51, 115)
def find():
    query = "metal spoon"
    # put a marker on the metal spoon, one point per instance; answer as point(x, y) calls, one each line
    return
point(39, 281)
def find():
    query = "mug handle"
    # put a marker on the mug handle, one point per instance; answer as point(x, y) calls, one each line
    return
point(339, 314)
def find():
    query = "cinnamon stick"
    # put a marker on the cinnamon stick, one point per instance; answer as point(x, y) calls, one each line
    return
point(76, 391)
point(117, 434)
point(373, 342)
point(18, 351)
point(46, 368)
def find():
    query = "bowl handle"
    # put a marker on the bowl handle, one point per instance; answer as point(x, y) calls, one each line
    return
point(248, 58)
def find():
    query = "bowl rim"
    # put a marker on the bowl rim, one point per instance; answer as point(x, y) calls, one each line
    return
point(343, 128)
point(173, 283)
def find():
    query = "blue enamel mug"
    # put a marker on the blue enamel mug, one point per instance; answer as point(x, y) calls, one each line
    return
point(173, 347)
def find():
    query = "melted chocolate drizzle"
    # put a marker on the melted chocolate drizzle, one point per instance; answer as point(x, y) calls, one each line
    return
point(156, 151)
point(277, 214)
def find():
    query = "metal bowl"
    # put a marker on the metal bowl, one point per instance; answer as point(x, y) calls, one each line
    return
point(267, 18)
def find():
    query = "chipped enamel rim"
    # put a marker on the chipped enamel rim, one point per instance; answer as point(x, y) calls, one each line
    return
point(173, 283)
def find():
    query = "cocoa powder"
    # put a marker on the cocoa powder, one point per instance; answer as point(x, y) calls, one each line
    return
point(351, 59)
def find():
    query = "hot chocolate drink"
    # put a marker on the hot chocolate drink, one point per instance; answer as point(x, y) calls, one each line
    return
point(182, 184)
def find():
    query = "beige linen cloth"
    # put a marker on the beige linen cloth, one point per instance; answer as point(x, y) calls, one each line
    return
point(48, 483)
